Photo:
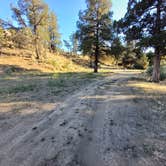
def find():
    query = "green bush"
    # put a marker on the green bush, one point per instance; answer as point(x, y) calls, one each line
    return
point(149, 71)
point(142, 63)
point(13, 69)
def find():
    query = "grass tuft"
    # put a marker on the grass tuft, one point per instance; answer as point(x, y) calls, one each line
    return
point(18, 89)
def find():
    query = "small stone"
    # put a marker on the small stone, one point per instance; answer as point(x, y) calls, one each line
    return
point(108, 149)
point(34, 128)
point(138, 124)
point(69, 140)
point(42, 140)
point(63, 123)
point(85, 129)
point(80, 134)
point(111, 122)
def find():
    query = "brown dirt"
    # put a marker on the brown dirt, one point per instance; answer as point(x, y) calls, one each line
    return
point(110, 122)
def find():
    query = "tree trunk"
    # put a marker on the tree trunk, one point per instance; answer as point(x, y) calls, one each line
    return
point(36, 43)
point(156, 67)
point(91, 61)
point(96, 47)
point(96, 59)
point(157, 58)
point(37, 50)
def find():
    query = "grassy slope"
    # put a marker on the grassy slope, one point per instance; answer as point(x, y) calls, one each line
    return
point(52, 63)
point(25, 83)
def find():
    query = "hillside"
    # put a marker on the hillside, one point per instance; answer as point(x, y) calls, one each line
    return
point(51, 63)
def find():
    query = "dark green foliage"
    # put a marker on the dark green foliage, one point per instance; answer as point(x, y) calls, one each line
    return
point(150, 56)
point(54, 35)
point(129, 58)
point(13, 69)
point(117, 48)
point(133, 57)
point(94, 29)
point(145, 23)
point(74, 43)
point(67, 45)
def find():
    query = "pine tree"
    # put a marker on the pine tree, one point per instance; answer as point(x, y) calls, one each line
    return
point(145, 22)
point(129, 56)
point(94, 28)
point(37, 12)
point(33, 14)
point(117, 48)
point(67, 45)
point(54, 35)
point(74, 43)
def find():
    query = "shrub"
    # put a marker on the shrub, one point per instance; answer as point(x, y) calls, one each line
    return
point(13, 69)
point(142, 63)
point(149, 70)
point(128, 60)
point(163, 72)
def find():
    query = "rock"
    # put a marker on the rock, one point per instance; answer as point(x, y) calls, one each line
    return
point(42, 140)
point(34, 128)
point(63, 123)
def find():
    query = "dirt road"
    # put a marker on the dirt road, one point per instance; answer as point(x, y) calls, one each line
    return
point(107, 123)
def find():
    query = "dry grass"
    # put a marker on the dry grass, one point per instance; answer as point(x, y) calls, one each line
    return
point(25, 63)
point(63, 63)
point(28, 86)
point(52, 63)
point(150, 87)
point(155, 93)
point(108, 60)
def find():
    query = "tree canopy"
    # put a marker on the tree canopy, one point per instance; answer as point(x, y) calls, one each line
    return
point(94, 28)
point(145, 23)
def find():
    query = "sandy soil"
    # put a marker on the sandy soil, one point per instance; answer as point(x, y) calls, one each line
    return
point(107, 123)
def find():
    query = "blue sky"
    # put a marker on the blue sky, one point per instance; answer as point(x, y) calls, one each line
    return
point(67, 12)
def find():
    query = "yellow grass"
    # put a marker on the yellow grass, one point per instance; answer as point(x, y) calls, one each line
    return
point(149, 87)
point(52, 63)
